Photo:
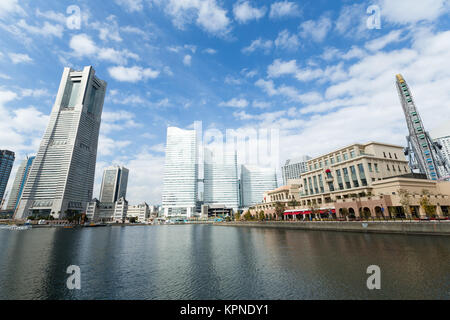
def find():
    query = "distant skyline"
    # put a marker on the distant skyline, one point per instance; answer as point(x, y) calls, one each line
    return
point(312, 69)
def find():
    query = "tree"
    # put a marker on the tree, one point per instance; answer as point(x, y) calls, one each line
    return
point(248, 216)
point(279, 209)
point(132, 219)
point(261, 216)
point(405, 201)
point(315, 208)
point(237, 216)
point(425, 203)
point(293, 203)
point(345, 212)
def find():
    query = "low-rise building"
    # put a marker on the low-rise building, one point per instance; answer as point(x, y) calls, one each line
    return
point(358, 181)
point(141, 212)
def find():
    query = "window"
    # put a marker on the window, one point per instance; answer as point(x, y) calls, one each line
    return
point(370, 167)
point(74, 92)
point(345, 156)
point(384, 154)
point(395, 156)
point(390, 155)
point(376, 167)
point(338, 157)
point(352, 154)
point(332, 160)
point(387, 166)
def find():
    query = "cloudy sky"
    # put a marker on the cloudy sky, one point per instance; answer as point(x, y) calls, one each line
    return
point(311, 69)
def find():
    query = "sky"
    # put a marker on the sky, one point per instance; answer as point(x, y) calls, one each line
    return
point(320, 72)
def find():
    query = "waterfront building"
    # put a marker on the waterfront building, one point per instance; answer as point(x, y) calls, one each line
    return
point(61, 179)
point(19, 183)
point(293, 168)
point(255, 181)
point(141, 212)
point(114, 184)
point(348, 172)
point(179, 196)
point(120, 210)
point(6, 163)
point(221, 179)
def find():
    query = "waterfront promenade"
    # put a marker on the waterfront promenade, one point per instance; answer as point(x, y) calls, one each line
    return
point(397, 226)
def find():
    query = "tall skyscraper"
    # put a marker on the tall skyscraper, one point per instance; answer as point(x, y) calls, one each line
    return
point(61, 178)
point(424, 154)
point(179, 196)
point(19, 183)
point(6, 164)
point(221, 178)
point(444, 142)
point(293, 168)
point(114, 184)
point(255, 181)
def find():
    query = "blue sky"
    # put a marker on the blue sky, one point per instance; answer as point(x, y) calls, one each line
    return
point(311, 69)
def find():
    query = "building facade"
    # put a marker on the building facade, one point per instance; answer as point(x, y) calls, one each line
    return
point(141, 212)
point(61, 179)
point(445, 143)
point(179, 196)
point(6, 163)
point(221, 179)
point(114, 184)
point(255, 181)
point(19, 183)
point(293, 168)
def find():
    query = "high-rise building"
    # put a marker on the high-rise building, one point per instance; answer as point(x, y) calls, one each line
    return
point(114, 184)
point(293, 168)
point(61, 179)
point(444, 142)
point(255, 182)
point(179, 196)
point(221, 179)
point(423, 153)
point(19, 183)
point(6, 164)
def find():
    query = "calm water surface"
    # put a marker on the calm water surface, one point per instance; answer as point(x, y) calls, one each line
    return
point(214, 262)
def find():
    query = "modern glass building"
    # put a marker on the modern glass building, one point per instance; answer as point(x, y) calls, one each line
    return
point(114, 184)
point(6, 163)
point(254, 182)
point(221, 179)
point(445, 143)
point(61, 179)
point(293, 168)
point(179, 196)
point(19, 183)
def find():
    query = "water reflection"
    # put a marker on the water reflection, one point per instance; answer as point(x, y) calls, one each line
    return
point(212, 262)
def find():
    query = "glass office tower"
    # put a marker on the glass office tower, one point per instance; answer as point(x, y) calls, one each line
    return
point(6, 163)
point(254, 182)
point(19, 183)
point(114, 184)
point(179, 196)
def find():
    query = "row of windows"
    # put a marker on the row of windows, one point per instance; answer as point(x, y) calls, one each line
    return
point(332, 159)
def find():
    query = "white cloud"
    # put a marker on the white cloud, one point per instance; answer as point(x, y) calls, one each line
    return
point(287, 41)
point(411, 11)
point(265, 45)
point(187, 60)
point(287, 91)
point(210, 51)
point(381, 42)
point(132, 74)
point(131, 5)
point(47, 30)
point(279, 68)
point(244, 12)
point(108, 146)
point(235, 103)
point(8, 7)
point(230, 80)
point(261, 104)
point(17, 58)
point(317, 30)
point(108, 29)
point(284, 9)
point(83, 46)
point(206, 13)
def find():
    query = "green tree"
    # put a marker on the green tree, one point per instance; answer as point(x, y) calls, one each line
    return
point(237, 216)
point(248, 216)
point(293, 203)
point(261, 216)
point(405, 201)
point(425, 203)
point(279, 210)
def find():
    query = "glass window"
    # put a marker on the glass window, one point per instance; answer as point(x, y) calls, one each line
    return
point(352, 154)
point(376, 167)
point(338, 157)
point(74, 94)
point(345, 156)
point(370, 167)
